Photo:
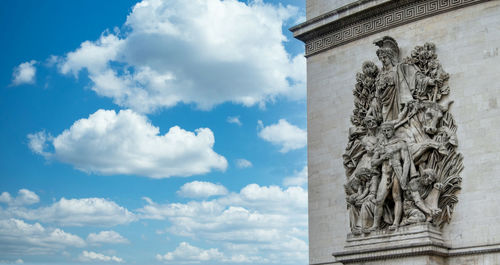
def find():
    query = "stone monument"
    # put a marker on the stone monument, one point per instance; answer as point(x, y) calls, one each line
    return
point(403, 122)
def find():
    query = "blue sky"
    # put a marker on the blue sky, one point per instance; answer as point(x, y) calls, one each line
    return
point(153, 132)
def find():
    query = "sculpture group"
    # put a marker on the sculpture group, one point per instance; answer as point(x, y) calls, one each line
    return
point(401, 161)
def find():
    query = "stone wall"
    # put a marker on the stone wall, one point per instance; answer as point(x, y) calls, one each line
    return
point(468, 47)
point(315, 8)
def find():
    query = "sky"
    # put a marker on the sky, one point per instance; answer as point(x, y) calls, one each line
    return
point(152, 132)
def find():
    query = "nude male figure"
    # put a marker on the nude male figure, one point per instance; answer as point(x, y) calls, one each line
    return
point(394, 157)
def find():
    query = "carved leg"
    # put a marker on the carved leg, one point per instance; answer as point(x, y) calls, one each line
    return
point(366, 215)
point(379, 210)
point(398, 205)
point(382, 192)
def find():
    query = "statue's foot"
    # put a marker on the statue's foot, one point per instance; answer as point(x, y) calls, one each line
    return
point(356, 231)
point(393, 227)
point(369, 230)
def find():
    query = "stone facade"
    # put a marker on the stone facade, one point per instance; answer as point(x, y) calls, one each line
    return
point(468, 43)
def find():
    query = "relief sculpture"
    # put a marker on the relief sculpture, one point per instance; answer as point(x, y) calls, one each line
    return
point(401, 161)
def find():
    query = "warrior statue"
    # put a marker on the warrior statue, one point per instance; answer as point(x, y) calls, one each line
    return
point(395, 82)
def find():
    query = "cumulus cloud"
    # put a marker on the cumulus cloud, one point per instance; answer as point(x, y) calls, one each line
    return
point(205, 53)
point(299, 178)
point(17, 261)
point(127, 143)
point(201, 189)
point(257, 225)
point(93, 256)
point(37, 142)
point(284, 134)
point(24, 197)
point(235, 120)
point(186, 252)
point(24, 73)
point(19, 237)
point(106, 237)
point(243, 163)
point(76, 212)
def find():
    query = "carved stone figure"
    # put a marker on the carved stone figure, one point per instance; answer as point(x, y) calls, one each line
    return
point(396, 82)
point(421, 199)
point(360, 189)
point(412, 154)
point(397, 168)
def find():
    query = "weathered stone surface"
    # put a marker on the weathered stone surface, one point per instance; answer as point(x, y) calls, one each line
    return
point(468, 44)
point(401, 162)
point(315, 8)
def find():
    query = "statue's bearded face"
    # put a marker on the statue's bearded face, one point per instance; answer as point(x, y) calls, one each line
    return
point(428, 179)
point(388, 132)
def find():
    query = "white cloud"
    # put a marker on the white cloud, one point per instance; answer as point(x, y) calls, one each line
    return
point(24, 73)
point(243, 163)
point(93, 56)
point(284, 134)
point(201, 189)
point(185, 252)
point(24, 197)
point(18, 237)
point(76, 212)
point(127, 143)
point(93, 256)
point(205, 52)
point(37, 142)
point(17, 261)
point(259, 224)
point(235, 120)
point(106, 237)
point(298, 179)
point(52, 60)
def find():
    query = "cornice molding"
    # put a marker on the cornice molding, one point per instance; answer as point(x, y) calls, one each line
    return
point(411, 250)
point(370, 21)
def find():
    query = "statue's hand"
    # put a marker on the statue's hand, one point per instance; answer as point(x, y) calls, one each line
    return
point(370, 198)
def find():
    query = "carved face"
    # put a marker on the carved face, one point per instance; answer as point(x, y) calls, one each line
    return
point(387, 131)
point(432, 115)
point(428, 178)
point(370, 123)
point(355, 183)
point(386, 61)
